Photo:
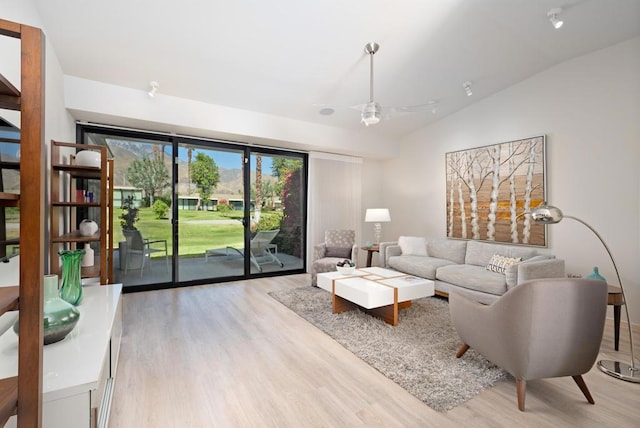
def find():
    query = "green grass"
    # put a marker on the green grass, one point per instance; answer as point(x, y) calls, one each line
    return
point(194, 238)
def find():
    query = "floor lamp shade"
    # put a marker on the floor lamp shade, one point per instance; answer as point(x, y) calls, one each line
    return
point(377, 216)
point(548, 214)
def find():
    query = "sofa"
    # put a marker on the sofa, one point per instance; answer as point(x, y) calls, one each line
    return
point(482, 270)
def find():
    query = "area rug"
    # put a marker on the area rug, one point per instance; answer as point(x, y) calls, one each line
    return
point(418, 354)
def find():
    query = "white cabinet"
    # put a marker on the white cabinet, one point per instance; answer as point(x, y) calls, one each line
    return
point(79, 371)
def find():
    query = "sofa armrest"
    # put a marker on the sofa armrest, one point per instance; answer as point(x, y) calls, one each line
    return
point(388, 249)
point(319, 251)
point(549, 268)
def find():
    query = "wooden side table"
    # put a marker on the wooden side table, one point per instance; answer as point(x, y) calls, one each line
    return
point(615, 298)
point(370, 250)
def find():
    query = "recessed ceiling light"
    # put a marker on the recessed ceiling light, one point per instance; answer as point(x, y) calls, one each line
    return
point(326, 111)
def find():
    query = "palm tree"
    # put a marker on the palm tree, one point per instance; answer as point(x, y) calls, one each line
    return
point(258, 208)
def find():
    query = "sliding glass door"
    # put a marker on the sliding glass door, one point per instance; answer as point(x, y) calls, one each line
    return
point(209, 195)
point(205, 211)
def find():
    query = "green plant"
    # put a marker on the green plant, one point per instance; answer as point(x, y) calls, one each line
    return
point(129, 215)
point(224, 208)
point(160, 209)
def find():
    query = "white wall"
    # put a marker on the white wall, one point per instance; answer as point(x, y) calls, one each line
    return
point(589, 108)
point(58, 122)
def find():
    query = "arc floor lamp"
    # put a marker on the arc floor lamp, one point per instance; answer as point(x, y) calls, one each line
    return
point(548, 214)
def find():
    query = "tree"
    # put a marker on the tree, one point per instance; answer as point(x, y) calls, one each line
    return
point(149, 175)
point(189, 158)
point(205, 175)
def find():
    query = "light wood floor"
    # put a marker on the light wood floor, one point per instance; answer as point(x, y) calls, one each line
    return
point(228, 355)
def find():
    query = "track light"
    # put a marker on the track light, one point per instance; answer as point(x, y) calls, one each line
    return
point(553, 17)
point(467, 88)
point(154, 88)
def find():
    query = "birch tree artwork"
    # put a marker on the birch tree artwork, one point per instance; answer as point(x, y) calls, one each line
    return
point(489, 190)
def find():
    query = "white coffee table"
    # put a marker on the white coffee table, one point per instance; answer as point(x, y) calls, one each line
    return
point(380, 292)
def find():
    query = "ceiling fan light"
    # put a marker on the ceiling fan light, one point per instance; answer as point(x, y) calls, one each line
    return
point(371, 113)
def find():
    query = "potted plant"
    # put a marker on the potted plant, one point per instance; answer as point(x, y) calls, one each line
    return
point(128, 218)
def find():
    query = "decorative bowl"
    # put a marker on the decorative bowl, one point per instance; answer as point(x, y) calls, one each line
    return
point(89, 158)
point(345, 270)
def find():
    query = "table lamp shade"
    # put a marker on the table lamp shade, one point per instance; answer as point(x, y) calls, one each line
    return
point(377, 215)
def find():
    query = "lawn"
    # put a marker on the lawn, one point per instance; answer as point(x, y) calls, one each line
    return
point(195, 234)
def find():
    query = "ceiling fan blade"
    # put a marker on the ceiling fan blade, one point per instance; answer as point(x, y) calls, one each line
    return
point(431, 106)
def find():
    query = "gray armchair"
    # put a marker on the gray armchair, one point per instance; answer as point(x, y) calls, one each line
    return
point(338, 245)
point(540, 329)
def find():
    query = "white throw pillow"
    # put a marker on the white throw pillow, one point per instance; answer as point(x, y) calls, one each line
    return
point(413, 245)
point(499, 264)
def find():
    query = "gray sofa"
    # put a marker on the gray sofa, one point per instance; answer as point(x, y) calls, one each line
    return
point(463, 265)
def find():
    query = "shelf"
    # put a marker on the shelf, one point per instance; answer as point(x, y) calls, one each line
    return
point(10, 165)
point(74, 237)
point(75, 204)
point(9, 199)
point(9, 297)
point(79, 171)
point(8, 398)
point(66, 207)
point(9, 95)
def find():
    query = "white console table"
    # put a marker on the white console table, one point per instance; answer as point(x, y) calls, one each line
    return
point(78, 371)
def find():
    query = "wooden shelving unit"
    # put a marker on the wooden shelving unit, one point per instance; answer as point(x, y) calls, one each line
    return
point(65, 176)
point(22, 395)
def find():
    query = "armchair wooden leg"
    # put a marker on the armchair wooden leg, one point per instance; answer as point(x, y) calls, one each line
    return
point(583, 387)
point(521, 387)
point(463, 348)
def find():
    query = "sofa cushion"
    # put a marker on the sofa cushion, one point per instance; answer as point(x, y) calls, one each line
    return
point(480, 253)
point(343, 252)
point(413, 245)
point(499, 264)
point(424, 267)
point(474, 278)
point(448, 249)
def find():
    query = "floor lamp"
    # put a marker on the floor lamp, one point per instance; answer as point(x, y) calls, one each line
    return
point(547, 214)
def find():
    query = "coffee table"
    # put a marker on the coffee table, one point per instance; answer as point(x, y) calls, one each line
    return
point(377, 291)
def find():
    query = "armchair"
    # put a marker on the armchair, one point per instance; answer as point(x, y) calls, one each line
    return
point(541, 328)
point(338, 245)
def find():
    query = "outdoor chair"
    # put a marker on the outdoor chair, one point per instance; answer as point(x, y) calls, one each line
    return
point(262, 251)
point(539, 329)
point(141, 247)
point(338, 245)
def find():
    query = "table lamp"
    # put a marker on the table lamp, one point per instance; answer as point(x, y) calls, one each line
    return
point(377, 216)
point(548, 214)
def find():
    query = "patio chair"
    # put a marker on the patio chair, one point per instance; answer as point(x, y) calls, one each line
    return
point(262, 251)
point(139, 246)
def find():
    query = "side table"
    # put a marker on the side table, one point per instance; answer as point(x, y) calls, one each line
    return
point(614, 298)
point(370, 250)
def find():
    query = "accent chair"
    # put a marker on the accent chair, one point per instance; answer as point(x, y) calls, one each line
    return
point(539, 329)
point(338, 245)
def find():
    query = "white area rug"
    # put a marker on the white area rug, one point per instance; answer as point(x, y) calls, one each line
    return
point(418, 354)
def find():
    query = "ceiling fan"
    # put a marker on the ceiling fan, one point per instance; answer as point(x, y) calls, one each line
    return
point(371, 112)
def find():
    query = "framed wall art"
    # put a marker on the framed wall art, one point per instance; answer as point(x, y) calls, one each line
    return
point(490, 188)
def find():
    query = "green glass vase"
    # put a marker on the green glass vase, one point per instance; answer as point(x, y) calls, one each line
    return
point(59, 316)
point(71, 286)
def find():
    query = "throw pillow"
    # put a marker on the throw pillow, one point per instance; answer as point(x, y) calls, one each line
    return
point(341, 252)
point(500, 263)
point(413, 245)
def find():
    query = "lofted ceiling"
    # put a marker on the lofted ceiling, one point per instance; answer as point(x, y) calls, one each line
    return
point(292, 58)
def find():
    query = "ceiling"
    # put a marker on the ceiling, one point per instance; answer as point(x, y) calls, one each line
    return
point(291, 58)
